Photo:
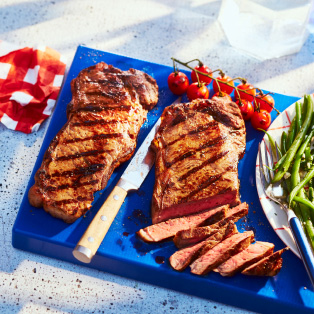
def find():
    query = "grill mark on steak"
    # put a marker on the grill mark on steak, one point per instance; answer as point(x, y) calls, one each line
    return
point(114, 95)
point(211, 180)
point(97, 108)
point(106, 83)
point(94, 122)
point(79, 155)
point(70, 201)
point(76, 184)
point(181, 117)
point(96, 137)
point(216, 141)
point(201, 128)
point(84, 171)
point(209, 161)
point(222, 110)
point(205, 184)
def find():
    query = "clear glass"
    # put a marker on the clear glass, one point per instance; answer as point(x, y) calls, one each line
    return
point(265, 29)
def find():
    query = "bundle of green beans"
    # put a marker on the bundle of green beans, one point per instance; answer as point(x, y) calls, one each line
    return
point(295, 168)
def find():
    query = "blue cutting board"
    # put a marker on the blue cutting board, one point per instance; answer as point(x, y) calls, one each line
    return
point(122, 253)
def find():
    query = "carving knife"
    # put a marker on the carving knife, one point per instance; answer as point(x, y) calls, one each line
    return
point(131, 179)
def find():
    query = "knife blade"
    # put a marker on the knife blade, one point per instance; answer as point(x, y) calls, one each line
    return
point(132, 178)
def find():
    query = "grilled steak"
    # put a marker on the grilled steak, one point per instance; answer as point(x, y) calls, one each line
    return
point(169, 228)
point(198, 146)
point(268, 266)
point(106, 113)
point(221, 252)
point(196, 234)
point(247, 257)
point(183, 258)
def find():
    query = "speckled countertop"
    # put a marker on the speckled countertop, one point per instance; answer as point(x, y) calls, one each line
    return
point(149, 30)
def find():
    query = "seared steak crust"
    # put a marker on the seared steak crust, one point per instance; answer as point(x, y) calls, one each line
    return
point(198, 146)
point(268, 266)
point(247, 257)
point(196, 234)
point(107, 111)
point(184, 257)
point(221, 252)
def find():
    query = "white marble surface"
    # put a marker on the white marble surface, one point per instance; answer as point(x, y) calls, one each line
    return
point(150, 30)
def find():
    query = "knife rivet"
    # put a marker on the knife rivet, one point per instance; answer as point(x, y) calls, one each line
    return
point(90, 239)
point(103, 218)
point(116, 197)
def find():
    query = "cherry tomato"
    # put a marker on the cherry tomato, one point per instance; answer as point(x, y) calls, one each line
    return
point(194, 91)
point(203, 79)
point(223, 87)
point(249, 89)
point(265, 102)
point(178, 83)
point(222, 94)
point(247, 109)
point(261, 120)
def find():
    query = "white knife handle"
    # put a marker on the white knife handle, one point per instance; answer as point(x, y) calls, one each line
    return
point(89, 243)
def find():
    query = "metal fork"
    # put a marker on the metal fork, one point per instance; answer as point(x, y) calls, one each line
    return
point(276, 193)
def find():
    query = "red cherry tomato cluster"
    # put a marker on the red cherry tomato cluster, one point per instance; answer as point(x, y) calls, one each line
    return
point(254, 107)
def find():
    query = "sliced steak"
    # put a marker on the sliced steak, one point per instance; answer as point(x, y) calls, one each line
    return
point(105, 115)
point(183, 258)
point(221, 252)
point(196, 234)
point(247, 257)
point(268, 266)
point(169, 228)
point(198, 146)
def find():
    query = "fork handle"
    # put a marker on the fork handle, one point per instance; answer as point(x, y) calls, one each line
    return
point(302, 244)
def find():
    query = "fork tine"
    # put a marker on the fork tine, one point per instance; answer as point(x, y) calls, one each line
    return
point(267, 172)
point(261, 170)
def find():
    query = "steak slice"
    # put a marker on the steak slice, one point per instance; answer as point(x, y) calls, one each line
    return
point(247, 257)
point(105, 115)
point(196, 234)
point(169, 228)
point(198, 146)
point(221, 252)
point(183, 258)
point(268, 266)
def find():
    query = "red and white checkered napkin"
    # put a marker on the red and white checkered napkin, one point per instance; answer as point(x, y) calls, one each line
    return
point(30, 80)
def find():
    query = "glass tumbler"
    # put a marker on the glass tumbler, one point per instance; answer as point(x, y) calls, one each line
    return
point(265, 29)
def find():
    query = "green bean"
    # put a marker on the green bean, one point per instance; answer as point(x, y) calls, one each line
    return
point(303, 111)
point(272, 144)
point(306, 208)
point(301, 185)
point(295, 177)
point(283, 142)
point(305, 202)
point(291, 133)
point(285, 161)
point(308, 156)
point(298, 117)
point(311, 194)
